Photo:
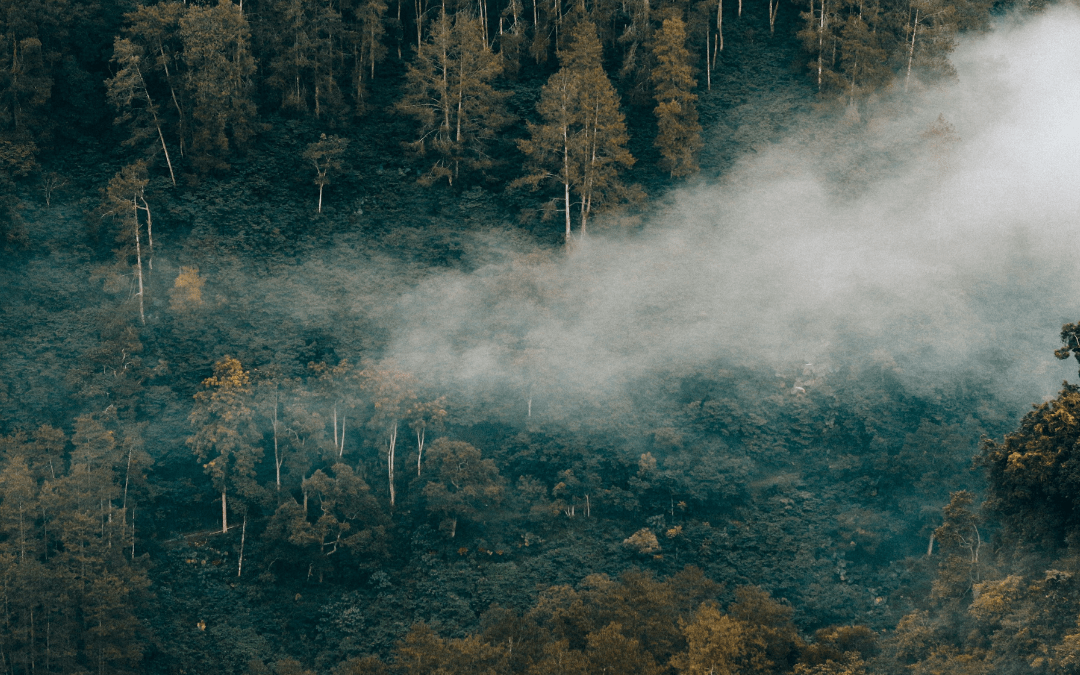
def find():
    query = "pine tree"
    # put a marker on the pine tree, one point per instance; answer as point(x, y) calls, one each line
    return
point(218, 79)
point(679, 137)
point(306, 38)
point(368, 47)
point(449, 92)
point(581, 144)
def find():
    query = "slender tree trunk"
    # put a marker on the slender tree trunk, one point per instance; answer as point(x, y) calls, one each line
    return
point(419, 25)
point(277, 451)
point(127, 477)
point(320, 197)
point(708, 64)
point(243, 534)
point(176, 102)
point(149, 230)
point(138, 259)
point(341, 447)
point(566, 180)
point(161, 137)
point(419, 449)
point(821, 43)
point(390, 463)
point(911, 51)
point(224, 514)
point(719, 42)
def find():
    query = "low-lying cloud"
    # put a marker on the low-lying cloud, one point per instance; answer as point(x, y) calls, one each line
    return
point(944, 242)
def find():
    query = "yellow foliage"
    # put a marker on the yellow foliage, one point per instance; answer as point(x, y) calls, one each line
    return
point(186, 293)
point(643, 541)
point(716, 644)
point(994, 598)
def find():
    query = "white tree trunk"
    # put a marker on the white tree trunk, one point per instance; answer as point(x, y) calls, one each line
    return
point(390, 463)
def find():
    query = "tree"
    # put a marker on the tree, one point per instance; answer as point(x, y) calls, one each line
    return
point(392, 393)
point(679, 137)
point(156, 29)
point(128, 93)
point(449, 92)
point(225, 434)
point(368, 47)
point(325, 154)
point(611, 653)
point(581, 143)
point(185, 296)
point(218, 80)
point(463, 484)
point(716, 644)
point(931, 36)
point(307, 38)
point(426, 416)
point(349, 518)
point(125, 199)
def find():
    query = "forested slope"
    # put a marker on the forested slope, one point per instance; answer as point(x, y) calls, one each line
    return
point(221, 223)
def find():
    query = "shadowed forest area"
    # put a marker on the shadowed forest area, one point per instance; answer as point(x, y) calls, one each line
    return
point(364, 337)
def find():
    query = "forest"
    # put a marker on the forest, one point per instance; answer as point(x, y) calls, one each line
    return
point(677, 337)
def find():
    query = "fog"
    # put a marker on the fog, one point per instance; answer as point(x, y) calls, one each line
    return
point(869, 235)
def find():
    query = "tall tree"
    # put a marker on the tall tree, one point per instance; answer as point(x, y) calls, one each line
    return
point(156, 29)
point(679, 137)
point(463, 484)
point(581, 144)
point(307, 38)
point(325, 155)
point(128, 93)
point(393, 394)
point(449, 91)
point(218, 79)
point(225, 435)
point(125, 201)
point(368, 47)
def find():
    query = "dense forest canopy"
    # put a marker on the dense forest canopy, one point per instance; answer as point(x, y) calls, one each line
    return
point(352, 336)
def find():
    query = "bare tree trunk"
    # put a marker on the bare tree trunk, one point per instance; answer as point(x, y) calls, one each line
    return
point(774, 7)
point(341, 447)
point(911, 51)
point(708, 64)
point(278, 459)
point(149, 231)
point(719, 42)
point(224, 514)
point(390, 463)
point(320, 197)
point(127, 477)
point(821, 43)
point(243, 534)
point(138, 259)
point(419, 448)
point(566, 181)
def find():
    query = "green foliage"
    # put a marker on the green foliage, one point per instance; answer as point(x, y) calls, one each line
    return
point(218, 79)
point(679, 138)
